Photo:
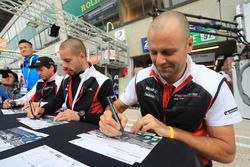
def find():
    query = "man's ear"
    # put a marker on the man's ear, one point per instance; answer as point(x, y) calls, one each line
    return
point(190, 44)
point(82, 55)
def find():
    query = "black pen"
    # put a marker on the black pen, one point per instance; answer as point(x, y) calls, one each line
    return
point(11, 102)
point(31, 109)
point(114, 113)
point(11, 106)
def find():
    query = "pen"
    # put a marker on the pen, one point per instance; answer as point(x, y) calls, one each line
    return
point(114, 113)
point(11, 106)
point(31, 109)
point(11, 103)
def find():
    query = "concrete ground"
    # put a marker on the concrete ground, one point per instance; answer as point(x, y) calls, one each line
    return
point(242, 131)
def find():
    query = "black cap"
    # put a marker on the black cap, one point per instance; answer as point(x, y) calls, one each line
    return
point(5, 74)
point(43, 61)
point(15, 75)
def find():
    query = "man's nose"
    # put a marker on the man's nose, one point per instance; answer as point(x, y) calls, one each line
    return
point(160, 58)
point(64, 65)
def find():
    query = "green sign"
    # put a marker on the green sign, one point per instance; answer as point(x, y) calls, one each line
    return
point(200, 38)
point(80, 7)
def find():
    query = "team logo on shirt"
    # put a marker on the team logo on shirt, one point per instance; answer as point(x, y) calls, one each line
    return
point(150, 92)
point(185, 96)
point(48, 87)
point(231, 111)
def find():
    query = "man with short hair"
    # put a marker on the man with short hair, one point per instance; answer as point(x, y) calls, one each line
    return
point(178, 98)
point(45, 88)
point(30, 75)
point(83, 90)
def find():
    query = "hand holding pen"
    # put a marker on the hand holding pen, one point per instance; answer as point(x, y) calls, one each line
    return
point(114, 113)
point(29, 108)
point(12, 104)
point(33, 111)
point(111, 123)
point(9, 104)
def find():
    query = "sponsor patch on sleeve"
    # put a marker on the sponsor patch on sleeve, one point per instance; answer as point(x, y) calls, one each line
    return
point(231, 111)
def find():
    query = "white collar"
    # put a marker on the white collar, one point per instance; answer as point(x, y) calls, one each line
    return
point(85, 75)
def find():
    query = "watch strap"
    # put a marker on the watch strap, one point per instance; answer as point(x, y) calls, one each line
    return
point(81, 115)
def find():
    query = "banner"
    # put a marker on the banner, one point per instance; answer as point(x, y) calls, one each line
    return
point(3, 43)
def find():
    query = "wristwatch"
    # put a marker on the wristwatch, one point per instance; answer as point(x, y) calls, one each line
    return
point(81, 115)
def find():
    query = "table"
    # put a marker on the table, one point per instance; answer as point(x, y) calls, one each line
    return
point(167, 153)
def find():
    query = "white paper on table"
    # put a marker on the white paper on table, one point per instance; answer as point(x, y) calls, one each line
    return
point(14, 137)
point(34, 132)
point(43, 156)
point(126, 150)
point(12, 111)
point(5, 146)
point(46, 121)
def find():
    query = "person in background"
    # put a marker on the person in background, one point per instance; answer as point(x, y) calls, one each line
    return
point(228, 79)
point(8, 86)
point(45, 88)
point(30, 75)
point(83, 91)
point(226, 71)
point(178, 98)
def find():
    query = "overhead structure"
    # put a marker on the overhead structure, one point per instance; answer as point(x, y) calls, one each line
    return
point(10, 57)
point(222, 28)
point(45, 13)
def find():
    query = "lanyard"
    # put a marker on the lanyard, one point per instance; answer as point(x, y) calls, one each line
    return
point(80, 88)
point(42, 90)
point(70, 95)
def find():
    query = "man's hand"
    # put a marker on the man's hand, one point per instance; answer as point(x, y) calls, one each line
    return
point(9, 103)
point(34, 104)
point(109, 126)
point(150, 123)
point(67, 115)
point(37, 112)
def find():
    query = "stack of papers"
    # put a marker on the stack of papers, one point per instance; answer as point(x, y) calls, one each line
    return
point(14, 137)
point(42, 156)
point(45, 122)
point(12, 111)
point(129, 148)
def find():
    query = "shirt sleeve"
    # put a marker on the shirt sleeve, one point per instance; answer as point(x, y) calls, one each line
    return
point(6, 93)
point(58, 82)
point(26, 98)
point(129, 97)
point(224, 110)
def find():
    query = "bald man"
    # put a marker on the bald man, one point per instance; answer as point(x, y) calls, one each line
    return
point(178, 98)
point(83, 91)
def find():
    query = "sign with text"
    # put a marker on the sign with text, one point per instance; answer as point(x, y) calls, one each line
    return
point(90, 4)
point(144, 43)
point(3, 43)
point(200, 38)
point(96, 56)
point(78, 8)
